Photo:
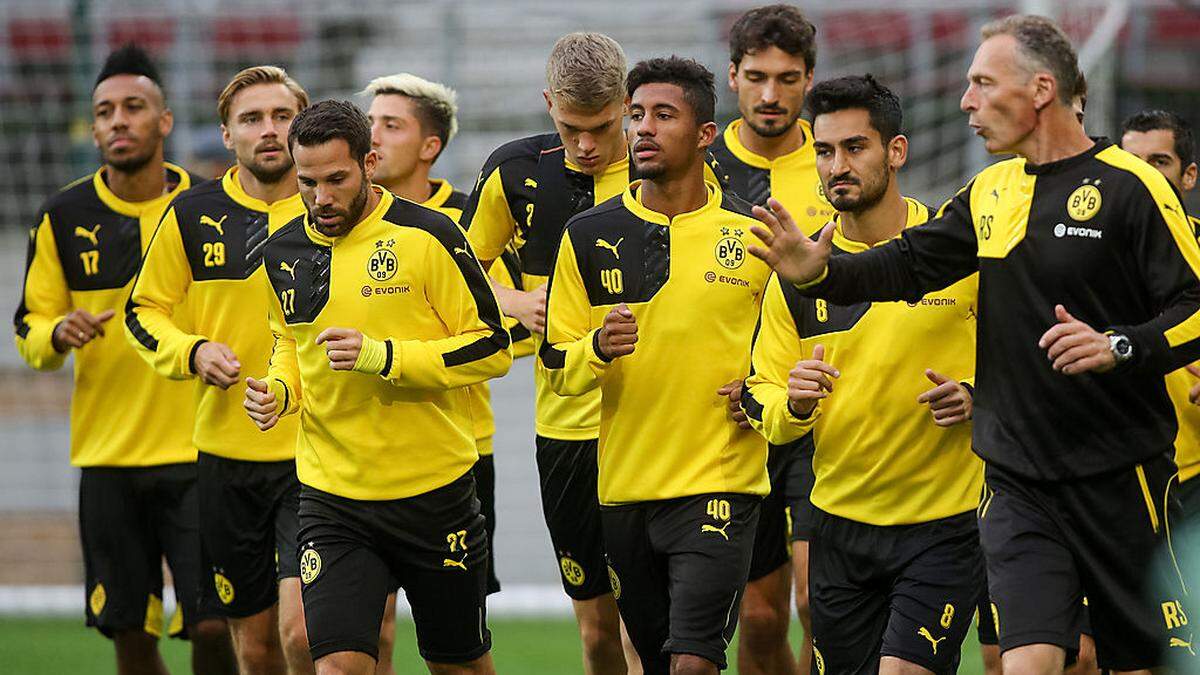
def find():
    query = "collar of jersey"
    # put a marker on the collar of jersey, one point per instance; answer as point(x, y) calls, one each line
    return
point(619, 165)
point(915, 209)
point(747, 156)
point(233, 187)
point(1100, 143)
point(440, 195)
point(633, 201)
point(385, 203)
point(135, 209)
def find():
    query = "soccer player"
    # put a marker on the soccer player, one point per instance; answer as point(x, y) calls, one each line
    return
point(895, 562)
point(381, 316)
point(647, 288)
point(130, 430)
point(1165, 141)
point(1088, 297)
point(526, 192)
point(769, 151)
point(208, 252)
point(412, 121)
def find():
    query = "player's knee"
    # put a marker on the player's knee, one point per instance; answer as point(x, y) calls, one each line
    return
point(134, 644)
point(599, 639)
point(763, 624)
point(259, 656)
point(209, 633)
point(690, 664)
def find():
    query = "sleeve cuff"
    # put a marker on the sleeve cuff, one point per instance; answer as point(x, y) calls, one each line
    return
point(191, 364)
point(596, 347)
point(374, 357)
point(283, 396)
point(809, 284)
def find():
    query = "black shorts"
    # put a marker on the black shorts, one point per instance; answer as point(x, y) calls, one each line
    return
point(129, 519)
point(1050, 544)
point(248, 523)
point(485, 489)
point(568, 472)
point(798, 489)
point(908, 591)
point(433, 545)
point(985, 619)
point(679, 568)
point(1189, 499)
point(771, 547)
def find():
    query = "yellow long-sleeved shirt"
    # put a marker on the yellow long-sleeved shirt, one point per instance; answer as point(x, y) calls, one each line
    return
point(507, 272)
point(695, 293)
point(526, 192)
point(208, 249)
point(879, 459)
point(790, 178)
point(84, 254)
point(404, 276)
point(1179, 384)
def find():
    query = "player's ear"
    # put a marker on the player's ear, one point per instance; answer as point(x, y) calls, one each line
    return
point(226, 139)
point(1045, 90)
point(549, 100)
point(897, 150)
point(733, 76)
point(1188, 180)
point(166, 122)
point(812, 79)
point(370, 161)
point(706, 134)
point(430, 147)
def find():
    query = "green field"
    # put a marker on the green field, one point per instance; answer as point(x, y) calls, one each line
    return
point(527, 647)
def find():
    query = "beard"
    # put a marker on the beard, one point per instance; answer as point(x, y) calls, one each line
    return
point(772, 131)
point(648, 171)
point(269, 175)
point(871, 191)
point(348, 217)
point(129, 163)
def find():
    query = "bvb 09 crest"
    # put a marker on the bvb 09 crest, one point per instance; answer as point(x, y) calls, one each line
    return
point(730, 252)
point(382, 265)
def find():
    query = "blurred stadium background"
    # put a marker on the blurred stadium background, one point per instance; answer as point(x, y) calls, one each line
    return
point(1136, 54)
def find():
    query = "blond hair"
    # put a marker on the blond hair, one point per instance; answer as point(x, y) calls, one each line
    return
point(437, 104)
point(258, 75)
point(586, 70)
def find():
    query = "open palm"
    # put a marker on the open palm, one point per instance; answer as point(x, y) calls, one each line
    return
point(793, 256)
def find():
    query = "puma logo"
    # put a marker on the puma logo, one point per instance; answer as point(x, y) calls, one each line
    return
point(290, 269)
point(924, 632)
point(461, 564)
point(1186, 644)
point(529, 182)
point(215, 224)
point(90, 235)
point(600, 243)
point(458, 249)
point(713, 528)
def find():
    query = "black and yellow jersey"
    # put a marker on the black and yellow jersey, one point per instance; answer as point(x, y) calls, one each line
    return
point(84, 254)
point(506, 272)
point(525, 194)
point(1101, 233)
point(1179, 384)
point(695, 293)
point(405, 275)
point(208, 250)
point(879, 458)
point(791, 178)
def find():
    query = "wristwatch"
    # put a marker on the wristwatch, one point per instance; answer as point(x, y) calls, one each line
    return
point(1121, 347)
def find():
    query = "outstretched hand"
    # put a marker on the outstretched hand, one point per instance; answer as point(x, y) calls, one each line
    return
point(793, 256)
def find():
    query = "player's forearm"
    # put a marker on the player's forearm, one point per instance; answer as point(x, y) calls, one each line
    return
point(283, 376)
point(879, 275)
point(35, 342)
point(766, 407)
point(160, 342)
point(574, 367)
point(458, 361)
point(1170, 340)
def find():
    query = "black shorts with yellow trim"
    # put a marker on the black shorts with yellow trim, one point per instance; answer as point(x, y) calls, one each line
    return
point(130, 518)
point(679, 569)
point(485, 489)
point(248, 524)
point(568, 471)
point(433, 545)
point(797, 489)
point(772, 548)
point(1050, 544)
point(907, 591)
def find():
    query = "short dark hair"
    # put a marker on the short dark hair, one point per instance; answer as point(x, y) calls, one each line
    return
point(1153, 120)
point(129, 59)
point(699, 89)
point(859, 92)
point(329, 120)
point(1042, 44)
point(781, 26)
